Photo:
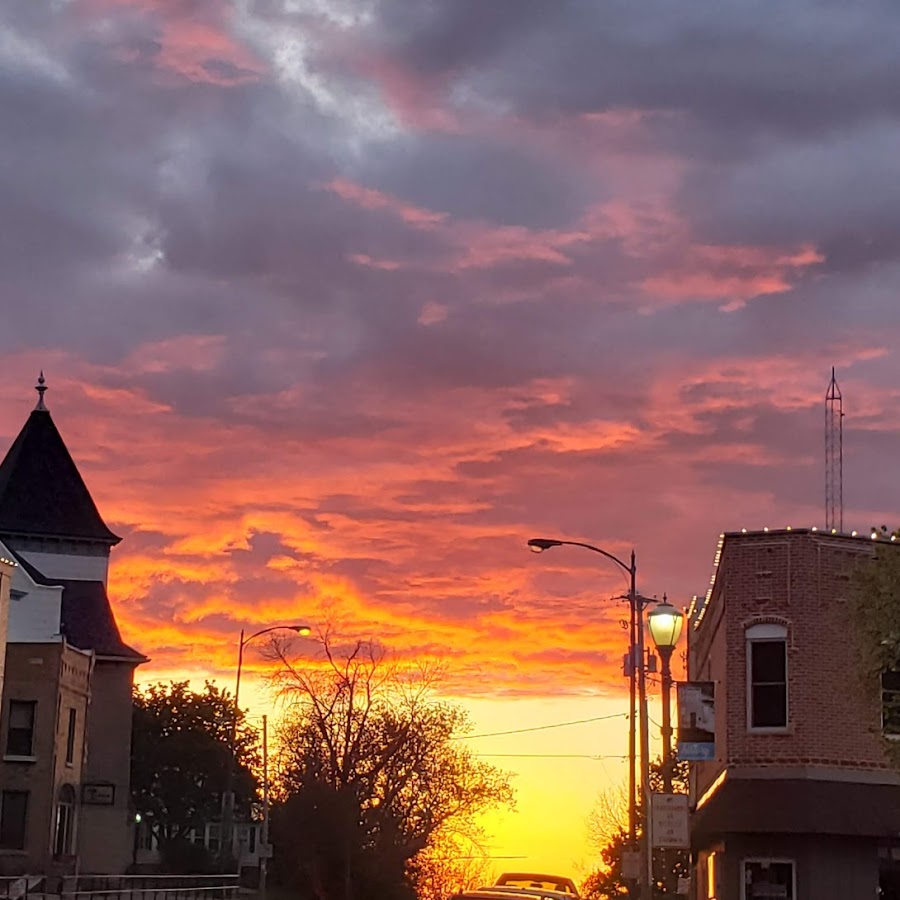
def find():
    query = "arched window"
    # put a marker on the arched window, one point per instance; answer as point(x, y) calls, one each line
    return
point(64, 830)
point(767, 677)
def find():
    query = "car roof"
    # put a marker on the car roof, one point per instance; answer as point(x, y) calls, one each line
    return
point(539, 876)
point(505, 893)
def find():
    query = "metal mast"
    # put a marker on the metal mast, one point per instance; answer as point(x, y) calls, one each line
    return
point(834, 456)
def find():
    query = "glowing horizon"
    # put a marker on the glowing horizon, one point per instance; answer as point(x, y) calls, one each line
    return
point(339, 303)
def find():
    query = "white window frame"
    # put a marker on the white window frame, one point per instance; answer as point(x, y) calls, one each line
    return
point(64, 827)
point(766, 632)
point(769, 860)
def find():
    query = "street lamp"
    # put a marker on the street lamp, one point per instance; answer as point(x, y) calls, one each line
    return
point(665, 623)
point(635, 669)
point(228, 797)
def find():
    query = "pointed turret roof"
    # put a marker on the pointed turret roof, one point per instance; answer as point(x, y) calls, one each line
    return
point(41, 491)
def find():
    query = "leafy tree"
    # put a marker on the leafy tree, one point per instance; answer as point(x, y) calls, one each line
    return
point(180, 758)
point(875, 613)
point(370, 775)
point(607, 827)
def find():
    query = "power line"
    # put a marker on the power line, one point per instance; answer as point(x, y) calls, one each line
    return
point(553, 756)
point(472, 737)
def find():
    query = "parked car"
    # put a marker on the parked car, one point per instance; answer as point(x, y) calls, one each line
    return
point(508, 893)
point(530, 880)
point(524, 886)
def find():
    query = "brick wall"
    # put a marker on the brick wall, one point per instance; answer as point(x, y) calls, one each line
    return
point(800, 580)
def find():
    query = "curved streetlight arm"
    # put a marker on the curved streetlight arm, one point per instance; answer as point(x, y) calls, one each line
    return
point(228, 796)
point(540, 544)
point(637, 673)
point(245, 641)
point(298, 629)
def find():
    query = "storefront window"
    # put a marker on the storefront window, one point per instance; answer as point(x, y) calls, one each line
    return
point(768, 879)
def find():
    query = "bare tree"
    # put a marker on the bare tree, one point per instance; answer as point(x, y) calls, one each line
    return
point(451, 862)
point(371, 770)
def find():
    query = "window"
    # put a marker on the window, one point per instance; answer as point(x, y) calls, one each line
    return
point(213, 840)
point(145, 838)
point(13, 814)
point(767, 696)
point(20, 733)
point(768, 879)
point(70, 739)
point(65, 819)
point(712, 876)
point(890, 702)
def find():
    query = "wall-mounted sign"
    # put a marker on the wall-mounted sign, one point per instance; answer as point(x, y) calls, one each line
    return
point(98, 794)
point(696, 720)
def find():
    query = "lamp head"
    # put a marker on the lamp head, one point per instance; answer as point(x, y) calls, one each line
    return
point(665, 623)
point(302, 630)
point(539, 545)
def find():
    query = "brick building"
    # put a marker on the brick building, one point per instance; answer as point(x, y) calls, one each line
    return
point(43, 735)
point(65, 728)
point(800, 801)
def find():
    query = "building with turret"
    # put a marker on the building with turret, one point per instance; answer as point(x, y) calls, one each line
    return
point(65, 729)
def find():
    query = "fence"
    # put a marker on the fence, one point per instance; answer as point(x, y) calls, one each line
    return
point(120, 887)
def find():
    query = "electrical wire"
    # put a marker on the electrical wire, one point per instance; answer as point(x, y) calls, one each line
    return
point(472, 737)
point(552, 756)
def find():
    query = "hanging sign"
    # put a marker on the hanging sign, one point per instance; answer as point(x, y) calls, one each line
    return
point(696, 720)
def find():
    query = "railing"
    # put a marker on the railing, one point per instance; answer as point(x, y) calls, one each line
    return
point(120, 887)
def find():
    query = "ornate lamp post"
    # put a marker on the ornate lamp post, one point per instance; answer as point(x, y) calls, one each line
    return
point(665, 624)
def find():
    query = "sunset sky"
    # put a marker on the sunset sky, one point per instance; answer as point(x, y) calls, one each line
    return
point(341, 301)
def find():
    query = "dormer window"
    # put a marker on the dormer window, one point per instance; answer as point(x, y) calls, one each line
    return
point(767, 677)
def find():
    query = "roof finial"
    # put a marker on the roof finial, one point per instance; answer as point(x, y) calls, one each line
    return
point(41, 387)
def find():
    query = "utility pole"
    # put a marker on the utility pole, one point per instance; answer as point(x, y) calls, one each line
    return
point(646, 881)
point(632, 718)
point(264, 842)
point(636, 670)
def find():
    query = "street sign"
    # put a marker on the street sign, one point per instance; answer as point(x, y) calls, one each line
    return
point(631, 865)
point(671, 820)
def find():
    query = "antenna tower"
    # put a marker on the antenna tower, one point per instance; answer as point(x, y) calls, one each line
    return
point(834, 456)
